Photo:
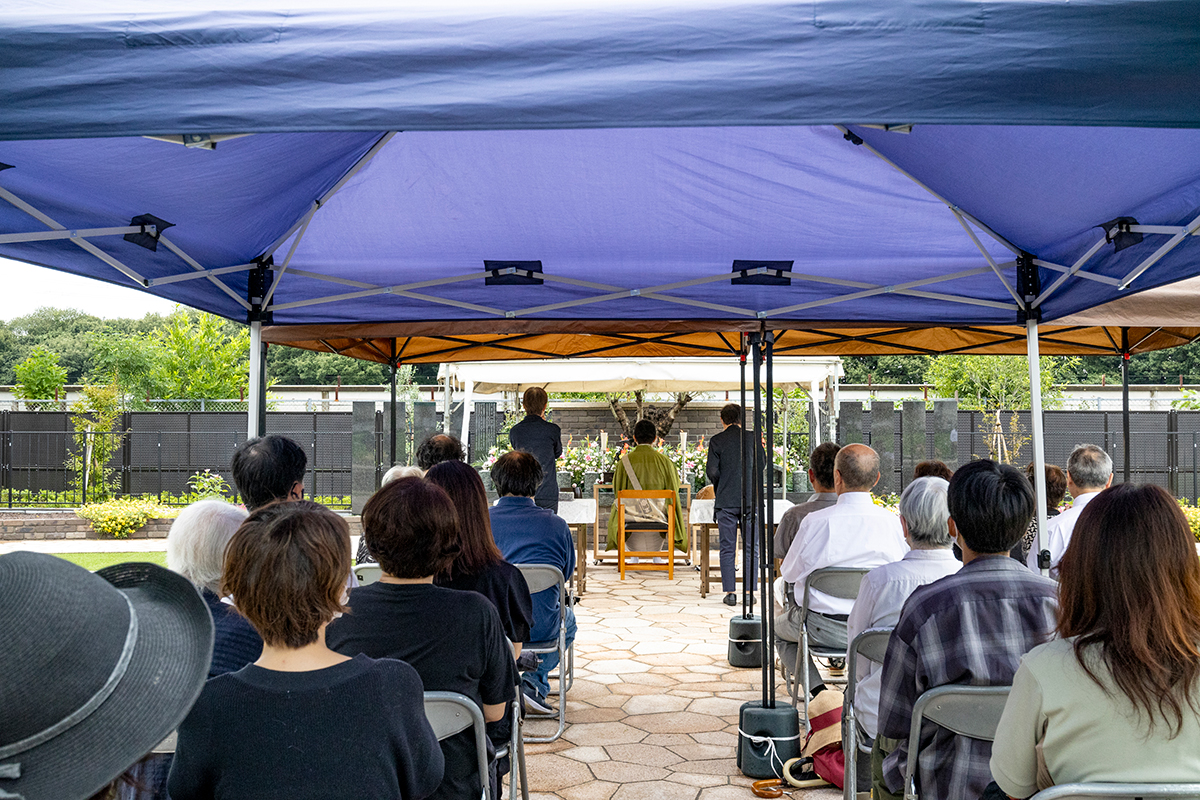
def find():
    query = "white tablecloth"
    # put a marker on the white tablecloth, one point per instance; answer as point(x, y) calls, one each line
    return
point(702, 510)
point(577, 512)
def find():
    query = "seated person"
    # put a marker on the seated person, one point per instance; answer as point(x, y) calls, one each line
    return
point(970, 628)
point(653, 471)
point(67, 633)
point(933, 468)
point(529, 534)
point(438, 448)
point(1056, 490)
point(454, 640)
point(196, 550)
point(302, 721)
point(1117, 697)
point(854, 532)
point(820, 475)
point(1089, 472)
point(925, 518)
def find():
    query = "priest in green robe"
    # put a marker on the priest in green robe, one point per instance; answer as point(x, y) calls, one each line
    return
point(654, 472)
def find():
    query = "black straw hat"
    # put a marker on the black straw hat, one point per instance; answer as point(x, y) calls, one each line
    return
point(95, 669)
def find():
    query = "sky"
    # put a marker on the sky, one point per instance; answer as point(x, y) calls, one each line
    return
point(28, 288)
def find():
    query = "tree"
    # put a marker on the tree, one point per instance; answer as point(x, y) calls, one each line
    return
point(291, 365)
point(885, 369)
point(989, 383)
point(663, 418)
point(40, 377)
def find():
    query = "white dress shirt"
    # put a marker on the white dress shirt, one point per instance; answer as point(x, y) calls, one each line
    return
point(880, 599)
point(853, 533)
point(1058, 534)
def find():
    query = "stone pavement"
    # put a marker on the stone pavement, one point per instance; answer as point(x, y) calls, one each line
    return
point(654, 709)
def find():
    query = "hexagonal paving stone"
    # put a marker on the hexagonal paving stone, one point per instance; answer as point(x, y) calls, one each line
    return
point(553, 772)
point(603, 733)
point(653, 791)
point(619, 666)
point(587, 755)
point(681, 722)
point(624, 772)
point(655, 704)
point(592, 790)
point(642, 753)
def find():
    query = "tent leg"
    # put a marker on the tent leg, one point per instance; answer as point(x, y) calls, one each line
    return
point(767, 555)
point(1125, 448)
point(468, 390)
point(1039, 450)
point(392, 447)
point(814, 433)
point(742, 526)
point(255, 393)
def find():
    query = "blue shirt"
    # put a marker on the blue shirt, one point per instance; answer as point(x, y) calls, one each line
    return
point(527, 534)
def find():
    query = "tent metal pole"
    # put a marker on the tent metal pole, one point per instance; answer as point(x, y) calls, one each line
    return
point(468, 390)
point(1035, 413)
point(392, 447)
point(767, 556)
point(255, 388)
point(742, 519)
point(750, 540)
point(1125, 400)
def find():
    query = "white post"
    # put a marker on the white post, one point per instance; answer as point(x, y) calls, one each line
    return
point(786, 407)
point(468, 388)
point(814, 436)
point(446, 405)
point(254, 392)
point(1039, 450)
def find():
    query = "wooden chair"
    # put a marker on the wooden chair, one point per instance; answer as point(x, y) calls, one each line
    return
point(624, 526)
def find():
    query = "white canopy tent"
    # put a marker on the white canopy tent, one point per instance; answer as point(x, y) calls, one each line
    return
point(635, 374)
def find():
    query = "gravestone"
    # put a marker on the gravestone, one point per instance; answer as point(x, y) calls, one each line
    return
point(945, 431)
point(424, 422)
point(912, 439)
point(883, 441)
point(362, 452)
point(850, 423)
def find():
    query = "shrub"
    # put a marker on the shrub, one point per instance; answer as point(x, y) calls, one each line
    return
point(121, 517)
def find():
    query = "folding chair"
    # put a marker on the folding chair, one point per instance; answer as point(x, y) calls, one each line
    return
point(841, 582)
point(450, 713)
point(516, 750)
point(541, 577)
point(872, 645)
point(1128, 791)
point(971, 711)
point(631, 526)
point(367, 573)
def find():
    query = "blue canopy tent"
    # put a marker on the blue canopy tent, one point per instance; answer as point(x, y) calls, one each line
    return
point(891, 175)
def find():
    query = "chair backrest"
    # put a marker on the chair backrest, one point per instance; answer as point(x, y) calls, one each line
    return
point(872, 645)
point(1129, 791)
point(367, 573)
point(840, 582)
point(971, 711)
point(450, 713)
point(541, 577)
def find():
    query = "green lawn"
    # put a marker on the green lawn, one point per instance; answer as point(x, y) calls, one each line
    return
point(95, 561)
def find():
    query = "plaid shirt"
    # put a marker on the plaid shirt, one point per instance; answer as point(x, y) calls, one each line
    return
point(969, 628)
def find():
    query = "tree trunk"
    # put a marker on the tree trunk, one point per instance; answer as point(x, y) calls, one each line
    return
point(614, 402)
point(667, 420)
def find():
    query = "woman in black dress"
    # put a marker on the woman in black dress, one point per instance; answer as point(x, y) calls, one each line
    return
point(479, 567)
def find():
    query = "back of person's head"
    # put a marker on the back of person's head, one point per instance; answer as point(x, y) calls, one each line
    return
point(859, 467)
point(517, 473)
point(401, 471)
point(287, 568)
point(731, 414)
point(477, 548)
point(438, 448)
point(933, 468)
point(197, 540)
point(644, 432)
point(1089, 466)
point(1130, 590)
point(265, 469)
point(925, 511)
point(821, 463)
point(991, 504)
point(1056, 483)
point(411, 528)
point(535, 400)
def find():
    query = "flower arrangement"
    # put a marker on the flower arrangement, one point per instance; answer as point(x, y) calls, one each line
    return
point(889, 501)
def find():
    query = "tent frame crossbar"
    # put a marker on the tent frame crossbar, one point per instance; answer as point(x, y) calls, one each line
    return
point(79, 233)
point(191, 276)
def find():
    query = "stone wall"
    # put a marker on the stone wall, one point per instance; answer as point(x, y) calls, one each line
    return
point(65, 525)
point(579, 420)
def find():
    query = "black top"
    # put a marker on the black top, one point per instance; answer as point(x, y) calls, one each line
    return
point(357, 729)
point(544, 440)
point(505, 586)
point(235, 642)
point(724, 459)
point(452, 639)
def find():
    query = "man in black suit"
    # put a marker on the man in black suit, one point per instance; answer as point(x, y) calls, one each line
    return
point(541, 438)
point(725, 473)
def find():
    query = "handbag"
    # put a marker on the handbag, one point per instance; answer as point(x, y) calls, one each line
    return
point(642, 509)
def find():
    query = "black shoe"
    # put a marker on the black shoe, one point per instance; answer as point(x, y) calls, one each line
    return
point(730, 599)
